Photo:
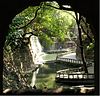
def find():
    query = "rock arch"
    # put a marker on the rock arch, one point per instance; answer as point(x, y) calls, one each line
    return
point(10, 8)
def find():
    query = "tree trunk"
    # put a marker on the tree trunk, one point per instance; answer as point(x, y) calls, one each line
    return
point(81, 44)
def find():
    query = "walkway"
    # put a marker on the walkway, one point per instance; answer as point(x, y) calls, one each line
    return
point(74, 75)
point(70, 56)
point(72, 59)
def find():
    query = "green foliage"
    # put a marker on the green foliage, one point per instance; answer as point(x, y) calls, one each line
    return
point(90, 46)
point(52, 22)
point(44, 37)
point(47, 23)
point(88, 39)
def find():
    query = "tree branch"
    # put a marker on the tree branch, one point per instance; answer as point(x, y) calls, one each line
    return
point(31, 20)
point(81, 43)
point(72, 15)
point(61, 8)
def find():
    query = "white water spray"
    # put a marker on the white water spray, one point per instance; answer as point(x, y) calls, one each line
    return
point(36, 52)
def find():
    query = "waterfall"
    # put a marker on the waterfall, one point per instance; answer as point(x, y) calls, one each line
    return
point(36, 52)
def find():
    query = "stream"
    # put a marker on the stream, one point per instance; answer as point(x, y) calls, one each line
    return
point(44, 76)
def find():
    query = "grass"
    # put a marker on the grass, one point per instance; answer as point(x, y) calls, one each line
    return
point(47, 81)
point(46, 75)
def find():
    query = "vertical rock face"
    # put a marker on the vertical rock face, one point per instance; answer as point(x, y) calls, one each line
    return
point(22, 57)
point(25, 63)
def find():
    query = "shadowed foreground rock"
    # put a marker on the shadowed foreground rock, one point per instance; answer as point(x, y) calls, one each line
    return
point(58, 91)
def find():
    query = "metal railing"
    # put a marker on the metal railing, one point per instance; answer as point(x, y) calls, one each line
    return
point(74, 61)
point(80, 69)
point(75, 76)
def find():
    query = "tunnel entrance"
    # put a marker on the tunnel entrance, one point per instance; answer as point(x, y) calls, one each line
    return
point(38, 28)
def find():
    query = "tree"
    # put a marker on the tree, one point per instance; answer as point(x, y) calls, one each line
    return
point(83, 33)
point(43, 21)
point(46, 21)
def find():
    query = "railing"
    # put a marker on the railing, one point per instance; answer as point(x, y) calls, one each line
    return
point(56, 51)
point(70, 60)
point(80, 69)
point(75, 76)
point(73, 61)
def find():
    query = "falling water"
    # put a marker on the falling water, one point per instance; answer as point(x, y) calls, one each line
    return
point(36, 52)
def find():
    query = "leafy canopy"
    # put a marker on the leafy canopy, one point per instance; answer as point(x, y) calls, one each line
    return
point(46, 21)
